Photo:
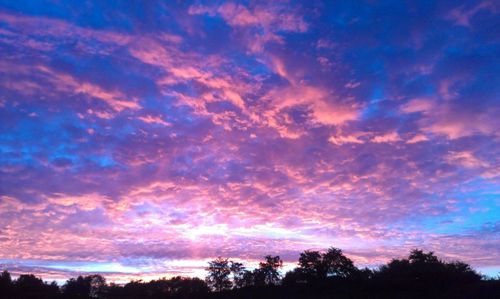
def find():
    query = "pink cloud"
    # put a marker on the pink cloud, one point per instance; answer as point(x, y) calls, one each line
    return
point(462, 15)
point(418, 105)
point(389, 137)
point(417, 139)
point(163, 150)
point(339, 140)
point(154, 120)
point(271, 19)
point(465, 159)
point(442, 118)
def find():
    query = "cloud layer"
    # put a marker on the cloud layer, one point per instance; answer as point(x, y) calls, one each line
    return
point(144, 140)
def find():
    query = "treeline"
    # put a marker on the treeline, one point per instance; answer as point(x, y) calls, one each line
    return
point(328, 274)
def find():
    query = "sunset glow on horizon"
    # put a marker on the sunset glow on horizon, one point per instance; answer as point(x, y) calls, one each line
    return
point(141, 139)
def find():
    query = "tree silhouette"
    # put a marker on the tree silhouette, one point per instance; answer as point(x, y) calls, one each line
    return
point(318, 275)
point(426, 269)
point(28, 286)
point(337, 264)
point(185, 287)
point(248, 279)
point(177, 287)
point(314, 265)
point(5, 279)
point(311, 265)
point(218, 274)
point(6, 286)
point(238, 272)
point(268, 272)
point(91, 286)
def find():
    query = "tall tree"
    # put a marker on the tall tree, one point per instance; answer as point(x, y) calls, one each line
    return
point(317, 265)
point(91, 286)
point(311, 264)
point(268, 272)
point(337, 264)
point(28, 286)
point(248, 279)
point(426, 269)
point(6, 286)
point(238, 272)
point(218, 274)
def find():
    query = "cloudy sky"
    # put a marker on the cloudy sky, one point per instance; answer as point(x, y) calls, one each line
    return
point(143, 138)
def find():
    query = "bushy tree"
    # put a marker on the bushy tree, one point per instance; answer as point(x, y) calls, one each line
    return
point(91, 286)
point(238, 272)
point(248, 279)
point(335, 263)
point(314, 265)
point(186, 287)
point(5, 279)
point(6, 285)
point(268, 271)
point(426, 269)
point(176, 287)
point(296, 276)
point(29, 286)
point(311, 264)
point(218, 274)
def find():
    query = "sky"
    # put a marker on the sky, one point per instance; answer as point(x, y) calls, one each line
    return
point(141, 139)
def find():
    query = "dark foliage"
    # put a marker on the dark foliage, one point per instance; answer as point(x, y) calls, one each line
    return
point(177, 287)
point(238, 271)
point(424, 270)
point(218, 277)
point(27, 286)
point(319, 275)
point(316, 266)
point(268, 271)
point(92, 286)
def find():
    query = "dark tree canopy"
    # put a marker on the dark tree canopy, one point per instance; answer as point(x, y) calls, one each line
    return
point(6, 286)
point(268, 272)
point(238, 271)
point(311, 264)
point(316, 265)
point(328, 274)
point(218, 274)
point(91, 286)
point(337, 264)
point(29, 286)
point(176, 287)
point(422, 268)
